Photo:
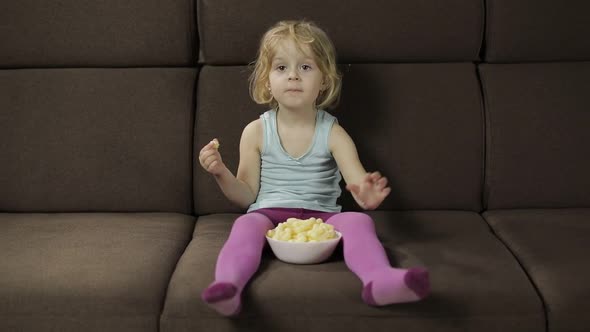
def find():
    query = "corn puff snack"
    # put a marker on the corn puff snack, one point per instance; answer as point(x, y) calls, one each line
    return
point(298, 230)
point(215, 143)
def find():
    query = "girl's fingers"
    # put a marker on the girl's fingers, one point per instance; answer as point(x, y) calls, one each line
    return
point(203, 156)
point(382, 183)
point(208, 153)
point(209, 156)
point(211, 146)
point(204, 153)
point(213, 164)
point(368, 179)
point(210, 159)
point(208, 147)
point(206, 159)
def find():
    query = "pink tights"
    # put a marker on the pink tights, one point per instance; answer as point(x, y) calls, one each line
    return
point(364, 255)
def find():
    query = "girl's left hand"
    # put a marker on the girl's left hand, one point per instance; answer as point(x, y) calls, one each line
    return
point(371, 190)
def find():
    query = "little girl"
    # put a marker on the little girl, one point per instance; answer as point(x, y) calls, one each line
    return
point(290, 163)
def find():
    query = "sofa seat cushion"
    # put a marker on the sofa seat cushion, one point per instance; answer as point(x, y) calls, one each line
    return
point(477, 285)
point(551, 245)
point(87, 271)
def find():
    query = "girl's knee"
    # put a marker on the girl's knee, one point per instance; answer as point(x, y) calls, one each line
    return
point(344, 219)
point(252, 220)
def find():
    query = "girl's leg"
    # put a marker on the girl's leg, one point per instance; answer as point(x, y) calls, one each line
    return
point(365, 256)
point(237, 262)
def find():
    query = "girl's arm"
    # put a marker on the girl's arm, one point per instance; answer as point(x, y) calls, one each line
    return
point(242, 189)
point(368, 189)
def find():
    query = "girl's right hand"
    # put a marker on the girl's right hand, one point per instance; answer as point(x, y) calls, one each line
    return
point(210, 158)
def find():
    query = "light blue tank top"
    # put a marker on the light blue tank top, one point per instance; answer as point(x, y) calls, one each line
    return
point(308, 182)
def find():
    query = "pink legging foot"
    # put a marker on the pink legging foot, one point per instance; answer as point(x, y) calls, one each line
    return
point(237, 262)
point(219, 291)
point(365, 256)
point(223, 297)
point(396, 286)
point(418, 280)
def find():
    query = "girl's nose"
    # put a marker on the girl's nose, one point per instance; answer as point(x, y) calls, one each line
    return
point(293, 76)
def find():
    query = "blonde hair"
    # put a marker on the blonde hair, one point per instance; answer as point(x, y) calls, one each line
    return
point(322, 49)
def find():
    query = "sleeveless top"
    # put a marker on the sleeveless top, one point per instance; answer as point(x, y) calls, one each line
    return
point(311, 181)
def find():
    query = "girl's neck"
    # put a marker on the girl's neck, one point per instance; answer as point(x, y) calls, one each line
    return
point(296, 117)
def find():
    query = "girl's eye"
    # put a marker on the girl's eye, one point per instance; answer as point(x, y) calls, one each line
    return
point(281, 68)
point(306, 67)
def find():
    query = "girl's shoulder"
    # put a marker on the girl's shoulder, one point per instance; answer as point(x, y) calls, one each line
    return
point(253, 127)
point(252, 134)
point(338, 137)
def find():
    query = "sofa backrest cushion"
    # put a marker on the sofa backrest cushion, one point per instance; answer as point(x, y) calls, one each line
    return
point(362, 31)
point(538, 131)
point(408, 120)
point(224, 108)
point(537, 30)
point(535, 85)
point(96, 139)
point(72, 33)
point(96, 109)
point(421, 125)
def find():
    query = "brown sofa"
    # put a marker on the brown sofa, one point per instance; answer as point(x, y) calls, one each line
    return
point(476, 111)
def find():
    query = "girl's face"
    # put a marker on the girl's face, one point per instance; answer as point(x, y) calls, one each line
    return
point(295, 78)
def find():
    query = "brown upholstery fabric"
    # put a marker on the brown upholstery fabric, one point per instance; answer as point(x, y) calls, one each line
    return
point(552, 246)
point(224, 108)
point(537, 30)
point(87, 272)
point(97, 33)
point(96, 140)
point(362, 31)
point(537, 135)
point(408, 121)
point(477, 284)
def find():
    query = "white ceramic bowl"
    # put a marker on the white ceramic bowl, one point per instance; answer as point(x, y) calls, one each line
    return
point(304, 252)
